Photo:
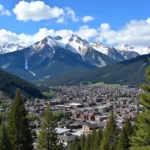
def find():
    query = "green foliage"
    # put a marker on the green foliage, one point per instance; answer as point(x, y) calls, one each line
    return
point(9, 84)
point(32, 117)
point(60, 116)
point(140, 138)
point(49, 95)
point(98, 138)
point(5, 141)
point(109, 139)
point(129, 72)
point(123, 141)
point(76, 145)
point(18, 125)
point(87, 142)
point(82, 141)
point(47, 138)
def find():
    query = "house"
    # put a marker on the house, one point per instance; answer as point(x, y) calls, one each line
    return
point(75, 115)
point(89, 127)
point(99, 118)
point(76, 105)
point(66, 138)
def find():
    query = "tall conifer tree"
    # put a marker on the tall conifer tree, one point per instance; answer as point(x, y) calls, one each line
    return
point(5, 141)
point(47, 138)
point(82, 141)
point(98, 139)
point(123, 141)
point(110, 135)
point(18, 125)
point(87, 142)
point(140, 139)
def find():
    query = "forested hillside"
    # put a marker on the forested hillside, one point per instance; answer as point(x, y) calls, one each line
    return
point(130, 72)
point(9, 83)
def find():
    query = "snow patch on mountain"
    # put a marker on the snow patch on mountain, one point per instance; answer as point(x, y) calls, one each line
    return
point(6, 48)
point(140, 50)
point(100, 47)
point(26, 67)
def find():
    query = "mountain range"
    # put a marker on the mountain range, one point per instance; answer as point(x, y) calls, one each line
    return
point(55, 56)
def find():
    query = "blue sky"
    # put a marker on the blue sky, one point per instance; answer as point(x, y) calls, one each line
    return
point(110, 21)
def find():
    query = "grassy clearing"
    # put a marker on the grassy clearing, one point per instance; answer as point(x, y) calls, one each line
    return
point(107, 85)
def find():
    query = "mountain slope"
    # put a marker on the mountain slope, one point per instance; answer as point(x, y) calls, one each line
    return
point(130, 72)
point(139, 50)
point(50, 57)
point(9, 83)
point(115, 53)
point(6, 48)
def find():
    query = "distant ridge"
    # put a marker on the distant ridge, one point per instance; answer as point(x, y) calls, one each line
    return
point(130, 72)
point(9, 83)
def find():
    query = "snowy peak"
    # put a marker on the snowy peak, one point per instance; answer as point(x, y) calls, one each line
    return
point(6, 48)
point(77, 45)
point(100, 47)
point(139, 50)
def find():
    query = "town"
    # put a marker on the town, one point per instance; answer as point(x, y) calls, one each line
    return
point(81, 109)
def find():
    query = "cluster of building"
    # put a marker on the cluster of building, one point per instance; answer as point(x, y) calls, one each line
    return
point(88, 108)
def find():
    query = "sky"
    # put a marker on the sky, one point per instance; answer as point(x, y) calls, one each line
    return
point(109, 21)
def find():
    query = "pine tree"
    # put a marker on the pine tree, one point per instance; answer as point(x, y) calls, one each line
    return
point(18, 125)
point(123, 141)
point(92, 141)
point(77, 146)
point(69, 147)
point(75, 142)
point(87, 142)
point(5, 142)
point(47, 138)
point(109, 139)
point(140, 139)
point(82, 141)
point(98, 139)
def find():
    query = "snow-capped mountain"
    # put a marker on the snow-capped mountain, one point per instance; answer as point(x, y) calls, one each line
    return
point(81, 46)
point(6, 48)
point(139, 50)
point(52, 56)
point(114, 52)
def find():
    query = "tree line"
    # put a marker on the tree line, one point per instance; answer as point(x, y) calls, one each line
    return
point(9, 83)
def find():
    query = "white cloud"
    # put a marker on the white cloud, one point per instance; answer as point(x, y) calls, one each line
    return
point(87, 18)
point(4, 11)
point(86, 33)
point(104, 27)
point(61, 20)
point(135, 33)
point(26, 40)
point(71, 14)
point(36, 11)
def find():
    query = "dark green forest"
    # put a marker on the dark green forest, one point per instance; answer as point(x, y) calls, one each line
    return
point(129, 73)
point(9, 83)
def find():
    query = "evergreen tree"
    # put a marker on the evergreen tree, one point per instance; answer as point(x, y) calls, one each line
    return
point(5, 142)
point(69, 147)
point(109, 139)
point(123, 142)
point(47, 138)
point(87, 142)
point(19, 131)
point(140, 139)
point(82, 141)
point(75, 142)
point(77, 146)
point(92, 141)
point(98, 139)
